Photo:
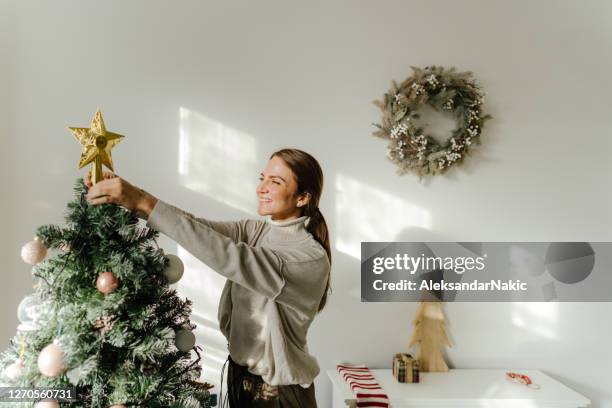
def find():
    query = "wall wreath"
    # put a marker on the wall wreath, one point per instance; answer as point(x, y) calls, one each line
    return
point(444, 90)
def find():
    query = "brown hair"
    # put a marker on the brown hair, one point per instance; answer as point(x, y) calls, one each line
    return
point(309, 177)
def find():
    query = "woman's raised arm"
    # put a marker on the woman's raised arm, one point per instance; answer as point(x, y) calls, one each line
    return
point(114, 189)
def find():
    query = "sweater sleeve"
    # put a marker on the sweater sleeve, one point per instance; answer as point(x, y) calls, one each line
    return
point(237, 231)
point(256, 268)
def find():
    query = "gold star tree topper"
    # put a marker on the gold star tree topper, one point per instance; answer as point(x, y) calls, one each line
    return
point(97, 144)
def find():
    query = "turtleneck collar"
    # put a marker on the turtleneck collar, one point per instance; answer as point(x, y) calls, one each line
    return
point(288, 223)
point(290, 230)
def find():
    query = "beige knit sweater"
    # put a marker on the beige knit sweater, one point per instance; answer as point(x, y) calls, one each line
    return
point(276, 275)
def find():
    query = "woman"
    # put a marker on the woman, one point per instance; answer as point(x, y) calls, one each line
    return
point(277, 275)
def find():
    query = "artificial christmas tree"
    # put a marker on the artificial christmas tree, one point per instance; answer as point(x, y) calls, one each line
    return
point(103, 319)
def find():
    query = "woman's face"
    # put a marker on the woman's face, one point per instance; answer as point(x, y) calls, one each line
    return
point(277, 191)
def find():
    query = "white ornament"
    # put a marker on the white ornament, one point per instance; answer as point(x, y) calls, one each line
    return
point(174, 270)
point(184, 339)
point(48, 404)
point(24, 310)
point(51, 361)
point(29, 312)
point(13, 371)
point(27, 327)
point(33, 252)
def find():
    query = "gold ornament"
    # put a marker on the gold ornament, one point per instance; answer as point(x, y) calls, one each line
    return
point(97, 144)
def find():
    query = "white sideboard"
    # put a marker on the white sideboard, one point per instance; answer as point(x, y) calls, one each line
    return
point(458, 388)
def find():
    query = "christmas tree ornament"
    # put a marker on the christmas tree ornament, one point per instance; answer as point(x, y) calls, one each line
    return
point(174, 270)
point(29, 326)
point(97, 144)
point(118, 406)
point(28, 311)
point(184, 339)
point(107, 282)
point(51, 361)
point(24, 308)
point(33, 252)
point(13, 370)
point(47, 404)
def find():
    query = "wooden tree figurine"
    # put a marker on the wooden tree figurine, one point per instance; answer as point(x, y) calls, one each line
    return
point(429, 335)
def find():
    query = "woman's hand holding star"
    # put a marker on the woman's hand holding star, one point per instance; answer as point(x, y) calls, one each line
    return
point(114, 189)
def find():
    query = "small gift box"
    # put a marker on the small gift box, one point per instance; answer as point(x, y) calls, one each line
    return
point(405, 368)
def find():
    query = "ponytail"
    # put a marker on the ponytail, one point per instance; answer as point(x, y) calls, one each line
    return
point(318, 228)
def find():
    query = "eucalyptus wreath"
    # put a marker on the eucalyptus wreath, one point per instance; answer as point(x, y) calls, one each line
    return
point(409, 147)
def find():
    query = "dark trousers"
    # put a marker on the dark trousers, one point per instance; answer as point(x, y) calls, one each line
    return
point(246, 390)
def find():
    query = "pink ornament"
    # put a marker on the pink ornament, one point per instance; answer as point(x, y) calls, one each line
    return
point(13, 371)
point(48, 404)
point(118, 406)
point(51, 361)
point(107, 282)
point(33, 252)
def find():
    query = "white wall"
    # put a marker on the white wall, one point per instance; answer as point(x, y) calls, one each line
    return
point(8, 254)
point(205, 91)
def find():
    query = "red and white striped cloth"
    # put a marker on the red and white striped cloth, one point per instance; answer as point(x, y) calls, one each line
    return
point(361, 381)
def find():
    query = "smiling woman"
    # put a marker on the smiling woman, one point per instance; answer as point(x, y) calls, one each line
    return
point(278, 192)
point(277, 274)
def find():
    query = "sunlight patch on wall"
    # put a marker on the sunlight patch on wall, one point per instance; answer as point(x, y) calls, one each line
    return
point(217, 160)
point(538, 319)
point(365, 213)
